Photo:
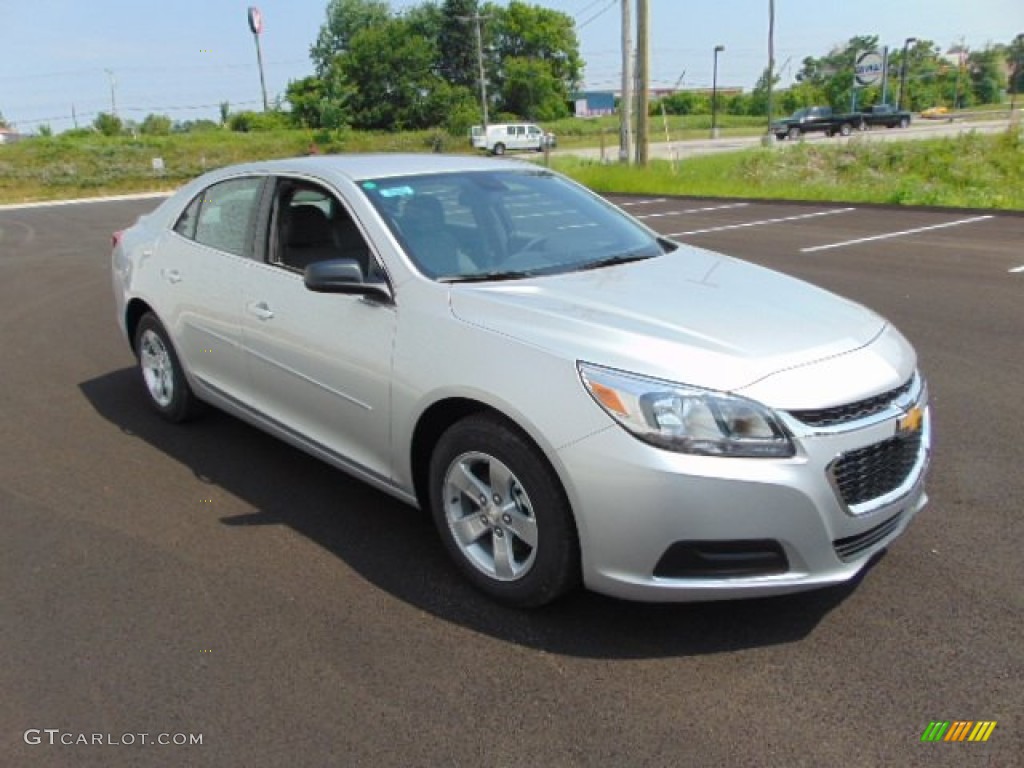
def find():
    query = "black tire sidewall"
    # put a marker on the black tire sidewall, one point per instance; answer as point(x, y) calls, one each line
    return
point(499, 149)
point(556, 567)
point(183, 405)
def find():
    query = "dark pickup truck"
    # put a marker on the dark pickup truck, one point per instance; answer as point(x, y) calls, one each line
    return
point(820, 119)
point(887, 115)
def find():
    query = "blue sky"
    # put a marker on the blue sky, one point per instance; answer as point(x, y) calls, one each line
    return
point(184, 58)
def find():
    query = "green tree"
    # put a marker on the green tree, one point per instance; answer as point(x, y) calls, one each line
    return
point(108, 124)
point(345, 19)
point(545, 37)
point(988, 74)
point(309, 103)
point(832, 74)
point(387, 78)
point(458, 62)
point(757, 103)
point(531, 90)
point(1015, 62)
point(45, 130)
point(3, 123)
point(156, 125)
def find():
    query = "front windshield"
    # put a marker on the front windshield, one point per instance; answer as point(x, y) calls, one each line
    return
point(504, 224)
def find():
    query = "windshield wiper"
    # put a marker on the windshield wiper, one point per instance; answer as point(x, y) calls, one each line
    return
point(495, 275)
point(622, 258)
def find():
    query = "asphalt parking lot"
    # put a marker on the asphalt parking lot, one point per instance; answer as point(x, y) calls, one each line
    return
point(210, 580)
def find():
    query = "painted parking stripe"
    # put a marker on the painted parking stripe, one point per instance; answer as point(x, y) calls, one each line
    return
point(693, 210)
point(642, 202)
point(762, 221)
point(1018, 269)
point(889, 235)
point(83, 201)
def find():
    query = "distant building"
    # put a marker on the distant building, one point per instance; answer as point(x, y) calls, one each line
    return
point(593, 103)
point(8, 136)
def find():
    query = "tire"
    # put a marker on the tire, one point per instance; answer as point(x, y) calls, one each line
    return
point(904, 122)
point(499, 149)
point(162, 375)
point(845, 129)
point(793, 133)
point(502, 513)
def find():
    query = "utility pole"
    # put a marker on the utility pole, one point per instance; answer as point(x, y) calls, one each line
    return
point(643, 66)
point(476, 18)
point(771, 67)
point(113, 91)
point(626, 98)
point(885, 74)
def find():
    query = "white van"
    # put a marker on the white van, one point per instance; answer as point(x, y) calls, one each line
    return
point(502, 137)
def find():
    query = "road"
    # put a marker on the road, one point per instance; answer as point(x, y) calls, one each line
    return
point(919, 129)
point(210, 581)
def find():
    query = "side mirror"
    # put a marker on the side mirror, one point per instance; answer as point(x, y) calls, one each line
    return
point(342, 276)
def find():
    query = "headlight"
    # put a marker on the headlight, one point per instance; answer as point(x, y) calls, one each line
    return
point(687, 419)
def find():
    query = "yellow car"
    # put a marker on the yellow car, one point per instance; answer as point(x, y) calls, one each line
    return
point(935, 112)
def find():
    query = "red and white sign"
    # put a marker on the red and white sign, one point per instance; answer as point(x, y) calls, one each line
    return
point(255, 20)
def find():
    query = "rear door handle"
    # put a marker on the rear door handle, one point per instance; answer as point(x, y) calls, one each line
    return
point(261, 310)
point(171, 275)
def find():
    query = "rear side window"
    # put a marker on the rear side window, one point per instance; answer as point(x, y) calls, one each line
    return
point(221, 216)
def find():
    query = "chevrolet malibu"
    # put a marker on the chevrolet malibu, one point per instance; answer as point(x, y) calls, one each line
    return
point(573, 398)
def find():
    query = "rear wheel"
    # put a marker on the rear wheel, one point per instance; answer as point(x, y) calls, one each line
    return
point(502, 514)
point(904, 122)
point(845, 129)
point(162, 374)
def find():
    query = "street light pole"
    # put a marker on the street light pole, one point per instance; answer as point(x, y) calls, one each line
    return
point(903, 71)
point(714, 94)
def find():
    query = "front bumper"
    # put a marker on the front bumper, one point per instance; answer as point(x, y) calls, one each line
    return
point(635, 502)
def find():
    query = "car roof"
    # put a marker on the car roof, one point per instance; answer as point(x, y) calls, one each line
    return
point(358, 167)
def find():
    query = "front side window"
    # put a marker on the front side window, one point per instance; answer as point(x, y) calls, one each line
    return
point(503, 224)
point(221, 216)
point(311, 225)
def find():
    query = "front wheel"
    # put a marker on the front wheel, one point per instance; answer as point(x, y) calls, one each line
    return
point(794, 133)
point(904, 122)
point(499, 149)
point(845, 129)
point(502, 513)
point(166, 386)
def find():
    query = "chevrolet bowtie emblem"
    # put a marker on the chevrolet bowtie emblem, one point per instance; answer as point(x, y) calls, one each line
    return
point(911, 421)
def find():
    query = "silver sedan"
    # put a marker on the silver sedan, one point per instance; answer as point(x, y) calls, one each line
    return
point(572, 397)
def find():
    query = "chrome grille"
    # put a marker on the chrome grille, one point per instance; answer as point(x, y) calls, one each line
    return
point(851, 546)
point(841, 414)
point(876, 470)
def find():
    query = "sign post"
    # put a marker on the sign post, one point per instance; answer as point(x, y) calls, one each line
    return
point(867, 70)
point(256, 26)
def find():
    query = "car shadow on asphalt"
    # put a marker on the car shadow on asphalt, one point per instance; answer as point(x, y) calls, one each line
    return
point(395, 547)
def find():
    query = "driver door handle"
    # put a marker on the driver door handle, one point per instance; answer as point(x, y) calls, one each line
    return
point(261, 310)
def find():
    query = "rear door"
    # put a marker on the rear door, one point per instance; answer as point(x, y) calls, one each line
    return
point(202, 264)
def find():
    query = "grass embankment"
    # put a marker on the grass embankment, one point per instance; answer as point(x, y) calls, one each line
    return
point(67, 167)
point(972, 170)
point(969, 171)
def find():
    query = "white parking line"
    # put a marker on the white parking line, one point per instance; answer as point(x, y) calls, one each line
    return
point(83, 201)
point(762, 221)
point(901, 233)
point(1018, 269)
point(693, 210)
point(642, 202)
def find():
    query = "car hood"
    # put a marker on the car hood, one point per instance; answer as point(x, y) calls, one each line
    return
point(690, 316)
